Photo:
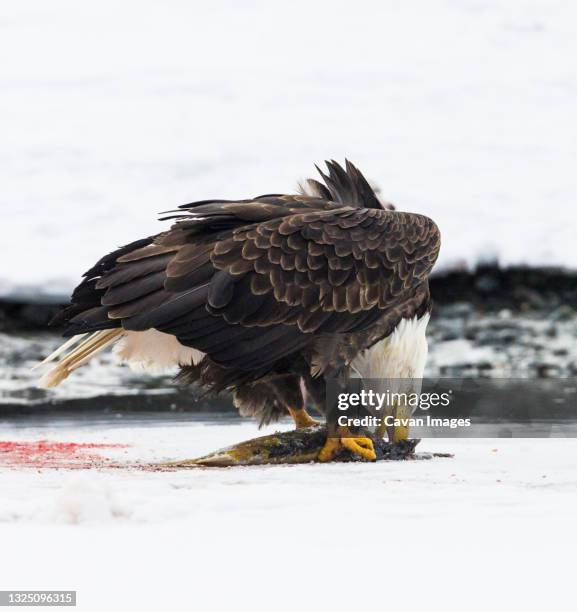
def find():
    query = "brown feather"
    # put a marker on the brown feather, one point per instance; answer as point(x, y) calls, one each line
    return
point(255, 283)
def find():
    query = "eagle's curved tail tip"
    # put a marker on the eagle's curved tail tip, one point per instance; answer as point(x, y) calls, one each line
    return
point(85, 347)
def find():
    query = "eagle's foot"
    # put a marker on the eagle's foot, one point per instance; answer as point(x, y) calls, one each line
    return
point(302, 418)
point(361, 446)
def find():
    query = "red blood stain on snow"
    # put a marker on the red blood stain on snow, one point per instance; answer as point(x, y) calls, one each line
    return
point(46, 454)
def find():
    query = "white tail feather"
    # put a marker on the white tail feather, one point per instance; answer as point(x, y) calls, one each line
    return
point(71, 342)
point(89, 347)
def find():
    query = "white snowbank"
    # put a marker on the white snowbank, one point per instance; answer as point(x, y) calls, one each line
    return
point(113, 111)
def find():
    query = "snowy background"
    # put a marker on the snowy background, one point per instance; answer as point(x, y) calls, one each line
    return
point(113, 111)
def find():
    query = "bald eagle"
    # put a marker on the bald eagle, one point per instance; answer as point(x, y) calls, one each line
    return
point(267, 298)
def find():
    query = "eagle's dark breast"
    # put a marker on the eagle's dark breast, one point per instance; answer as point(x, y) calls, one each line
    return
point(271, 287)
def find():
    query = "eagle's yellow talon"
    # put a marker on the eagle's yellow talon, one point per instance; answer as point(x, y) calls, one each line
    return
point(359, 446)
point(329, 450)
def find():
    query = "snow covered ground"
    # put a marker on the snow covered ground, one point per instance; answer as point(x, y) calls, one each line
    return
point(493, 524)
point(500, 477)
point(112, 111)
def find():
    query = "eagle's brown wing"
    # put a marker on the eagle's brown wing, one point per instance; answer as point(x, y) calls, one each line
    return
point(252, 282)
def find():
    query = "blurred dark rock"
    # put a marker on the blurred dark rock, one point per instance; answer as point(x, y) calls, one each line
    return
point(17, 315)
point(491, 288)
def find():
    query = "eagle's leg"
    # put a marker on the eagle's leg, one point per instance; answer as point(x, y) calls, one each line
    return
point(290, 394)
point(339, 437)
point(302, 418)
point(359, 445)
